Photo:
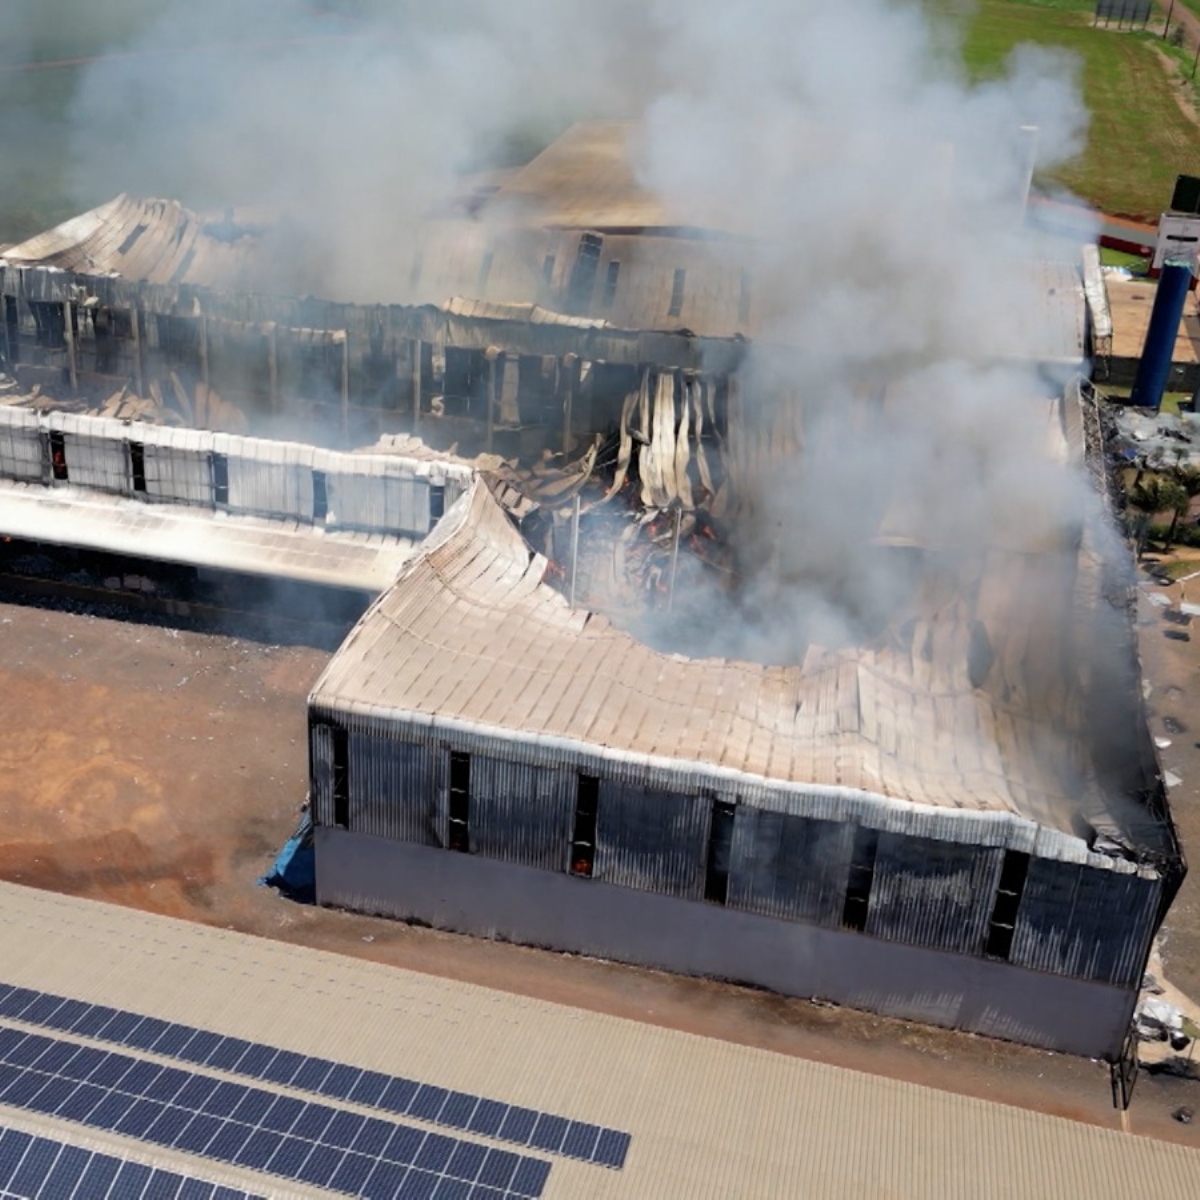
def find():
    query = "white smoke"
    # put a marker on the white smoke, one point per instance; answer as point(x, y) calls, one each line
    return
point(874, 190)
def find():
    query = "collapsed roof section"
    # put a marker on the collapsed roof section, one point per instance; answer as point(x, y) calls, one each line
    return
point(573, 233)
point(962, 727)
point(150, 241)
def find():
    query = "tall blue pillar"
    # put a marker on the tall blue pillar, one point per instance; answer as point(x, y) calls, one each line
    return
point(1159, 350)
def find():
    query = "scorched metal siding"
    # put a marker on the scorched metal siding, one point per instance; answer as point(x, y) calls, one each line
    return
point(933, 893)
point(655, 841)
point(788, 866)
point(94, 458)
point(21, 453)
point(397, 789)
point(1077, 920)
point(321, 764)
point(521, 814)
point(178, 467)
point(270, 481)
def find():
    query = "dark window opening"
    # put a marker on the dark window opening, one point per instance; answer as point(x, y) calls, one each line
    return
point(12, 322)
point(720, 845)
point(548, 269)
point(485, 269)
point(677, 293)
point(50, 320)
point(460, 801)
point(437, 503)
point(1008, 901)
point(583, 844)
point(465, 383)
point(220, 478)
point(137, 465)
point(862, 874)
point(583, 275)
point(341, 778)
point(320, 496)
point(610, 283)
point(58, 455)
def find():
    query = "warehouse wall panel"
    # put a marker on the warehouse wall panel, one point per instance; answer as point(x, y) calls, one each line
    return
point(788, 866)
point(651, 840)
point(933, 893)
point(521, 814)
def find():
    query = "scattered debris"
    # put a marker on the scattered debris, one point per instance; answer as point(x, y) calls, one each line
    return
point(1157, 1019)
point(1183, 1114)
point(1171, 779)
point(1173, 726)
point(1163, 743)
point(1151, 985)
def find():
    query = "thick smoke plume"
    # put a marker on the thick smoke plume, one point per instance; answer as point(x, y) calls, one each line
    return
point(875, 194)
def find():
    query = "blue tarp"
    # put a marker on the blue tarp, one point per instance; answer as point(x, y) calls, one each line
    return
point(294, 871)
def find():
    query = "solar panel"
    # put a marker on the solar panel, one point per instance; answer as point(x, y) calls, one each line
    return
point(233, 1123)
point(41, 1168)
point(402, 1097)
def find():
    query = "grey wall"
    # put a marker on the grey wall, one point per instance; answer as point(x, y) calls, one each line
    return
point(474, 895)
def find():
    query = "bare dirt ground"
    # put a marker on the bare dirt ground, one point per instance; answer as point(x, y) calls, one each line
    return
point(162, 769)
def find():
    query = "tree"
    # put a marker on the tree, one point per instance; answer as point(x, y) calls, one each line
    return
point(1160, 494)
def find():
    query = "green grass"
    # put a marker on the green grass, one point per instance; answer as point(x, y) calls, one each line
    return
point(1118, 258)
point(1139, 138)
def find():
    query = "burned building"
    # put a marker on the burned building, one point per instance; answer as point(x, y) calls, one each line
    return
point(954, 817)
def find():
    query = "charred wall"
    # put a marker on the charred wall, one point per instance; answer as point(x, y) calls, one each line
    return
point(344, 372)
point(1090, 919)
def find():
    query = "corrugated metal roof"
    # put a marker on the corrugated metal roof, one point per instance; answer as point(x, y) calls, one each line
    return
point(516, 260)
point(470, 638)
point(584, 180)
point(377, 506)
point(155, 241)
point(200, 537)
point(709, 1119)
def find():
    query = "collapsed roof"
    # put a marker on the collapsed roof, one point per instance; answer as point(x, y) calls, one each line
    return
point(573, 232)
point(963, 711)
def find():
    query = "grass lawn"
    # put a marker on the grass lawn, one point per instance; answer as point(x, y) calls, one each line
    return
point(1118, 258)
point(1140, 139)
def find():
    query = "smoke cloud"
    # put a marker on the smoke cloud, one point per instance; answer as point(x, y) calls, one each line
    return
point(874, 191)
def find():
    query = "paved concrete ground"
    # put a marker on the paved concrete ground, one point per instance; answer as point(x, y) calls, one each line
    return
point(162, 769)
point(1131, 301)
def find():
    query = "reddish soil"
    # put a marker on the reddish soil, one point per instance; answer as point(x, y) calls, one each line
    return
point(162, 769)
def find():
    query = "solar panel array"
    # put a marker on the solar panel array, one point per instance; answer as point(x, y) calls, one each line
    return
point(40, 1168)
point(461, 1111)
point(252, 1128)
